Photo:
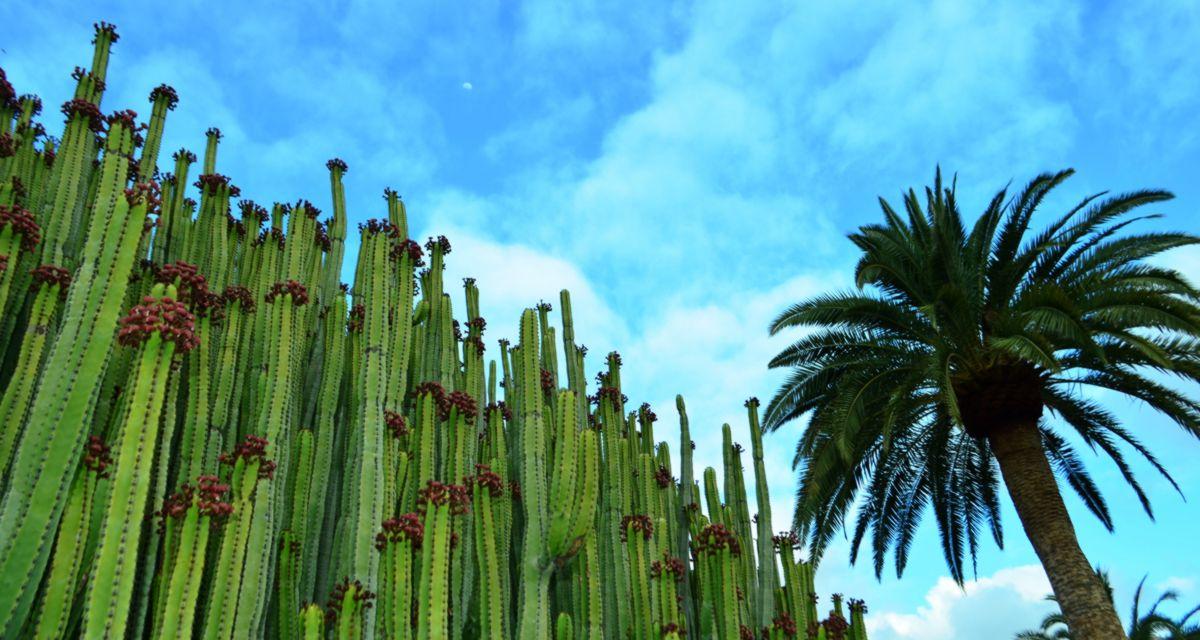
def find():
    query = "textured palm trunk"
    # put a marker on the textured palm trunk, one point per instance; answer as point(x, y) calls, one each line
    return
point(1031, 483)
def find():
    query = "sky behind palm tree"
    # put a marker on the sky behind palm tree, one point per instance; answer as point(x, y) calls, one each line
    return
point(686, 169)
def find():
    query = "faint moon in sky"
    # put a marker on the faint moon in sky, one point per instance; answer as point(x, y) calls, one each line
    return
point(468, 86)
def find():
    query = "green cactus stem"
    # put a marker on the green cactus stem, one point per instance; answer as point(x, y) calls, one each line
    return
point(194, 511)
point(160, 326)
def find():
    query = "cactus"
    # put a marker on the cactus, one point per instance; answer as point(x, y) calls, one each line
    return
point(379, 455)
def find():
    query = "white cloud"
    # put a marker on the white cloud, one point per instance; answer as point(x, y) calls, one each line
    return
point(468, 86)
point(990, 608)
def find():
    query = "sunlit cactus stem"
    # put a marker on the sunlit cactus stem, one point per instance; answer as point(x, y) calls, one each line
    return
point(160, 326)
point(230, 574)
point(19, 236)
point(488, 490)
point(439, 502)
point(195, 510)
point(768, 578)
point(162, 99)
point(400, 543)
point(312, 622)
point(51, 284)
point(63, 583)
point(35, 495)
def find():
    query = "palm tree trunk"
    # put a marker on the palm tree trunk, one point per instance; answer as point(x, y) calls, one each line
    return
point(1034, 491)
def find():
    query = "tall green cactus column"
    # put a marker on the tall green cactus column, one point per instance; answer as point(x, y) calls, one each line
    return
point(161, 326)
point(51, 444)
point(559, 501)
point(50, 284)
point(768, 578)
point(367, 506)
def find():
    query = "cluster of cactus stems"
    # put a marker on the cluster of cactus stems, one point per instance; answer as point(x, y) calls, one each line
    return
point(203, 434)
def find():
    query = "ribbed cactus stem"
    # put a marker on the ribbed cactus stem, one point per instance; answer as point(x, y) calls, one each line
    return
point(312, 622)
point(162, 326)
point(768, 579)
point(200, 509)
point(51, 283)
point(50, 445)
point(231, 574)
point(70, 545)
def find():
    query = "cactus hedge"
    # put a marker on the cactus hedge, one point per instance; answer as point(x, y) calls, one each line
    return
point(203, 434)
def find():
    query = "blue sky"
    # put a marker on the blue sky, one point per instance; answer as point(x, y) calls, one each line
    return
point(687, 169)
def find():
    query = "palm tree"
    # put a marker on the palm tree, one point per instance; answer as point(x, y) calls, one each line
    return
point(1151, 626)
point(931, 381)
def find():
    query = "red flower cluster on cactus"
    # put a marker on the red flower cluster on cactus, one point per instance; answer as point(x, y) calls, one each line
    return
point(8, 145)
point(611, 393)
point(441, 242)
point(406, 527)
point(784, 539)
point(784, 623)
point(7, 93)
point(85, 109)
point(464, 404)
point(505, 412)
point(252, 211)
point(441, 399)
point(206, 495)
point(271, 234)
point(165, 92)
point(34, 104)
point(716, 537)
point(322, 237)
point(337, 163)
point(378, 225)
point(166, 316)
point(3, 263)
point(212, 182)
point(857, 605)
point(637, 523)
point(97, 456)
point(293, 288)
point(411, 249)
point(237, 294)
point(358, 314)
point(309, 209)
point(184, 154)
point(663, 477)
point(146, 193)
point(22, 224)
point(437, 494)
point(209, 305)
point(185, 276)
point(835, 626)
point(488, 480)
point(337, 598)
point(105, 28)
point(49, 275)
point(126, 117)
point(395, 423)
point(547, 381)
point(252, 449)
point(647, 414)
point(673, 567)
point(213, 132)
point(745, 633)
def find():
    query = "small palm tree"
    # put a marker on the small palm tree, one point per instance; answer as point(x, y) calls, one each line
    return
point(930, 383)
point(1151, 626)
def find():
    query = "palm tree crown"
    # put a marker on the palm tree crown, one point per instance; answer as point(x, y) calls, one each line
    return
point(955, 332)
